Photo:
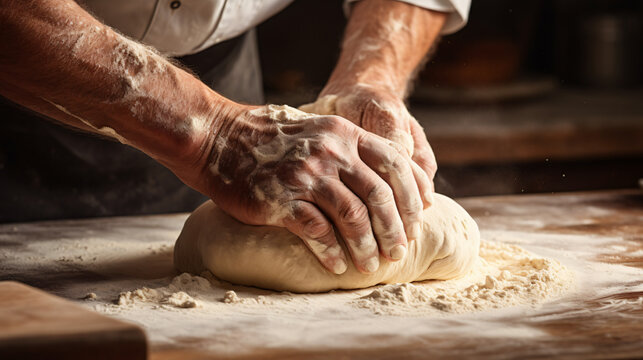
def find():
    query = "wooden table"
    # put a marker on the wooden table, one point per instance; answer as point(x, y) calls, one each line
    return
point(605, 326)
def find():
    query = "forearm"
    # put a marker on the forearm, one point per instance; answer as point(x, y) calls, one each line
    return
point(60, 61)
point(384, 43)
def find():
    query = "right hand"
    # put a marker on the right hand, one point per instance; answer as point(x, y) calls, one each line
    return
point(265, 168)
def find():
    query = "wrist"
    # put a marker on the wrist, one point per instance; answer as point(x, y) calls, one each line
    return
point(211, 120)
point(376, 79)
point(363, 89)
point(192, 157)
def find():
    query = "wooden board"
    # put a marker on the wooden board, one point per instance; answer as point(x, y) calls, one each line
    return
point(601, 325)
point(37, 325)
point(593, 330)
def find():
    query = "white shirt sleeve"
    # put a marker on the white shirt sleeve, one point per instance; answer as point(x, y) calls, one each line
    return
point(458, 11)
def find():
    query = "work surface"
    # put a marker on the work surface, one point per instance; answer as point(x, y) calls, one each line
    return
point(598, 235)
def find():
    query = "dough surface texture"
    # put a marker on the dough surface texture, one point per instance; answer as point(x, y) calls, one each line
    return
point(273, 258)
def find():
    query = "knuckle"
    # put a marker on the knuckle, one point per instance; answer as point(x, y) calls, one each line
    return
point(300, 181)
point(388, 230)
point(380, 194)
point(324, 248)
point(388, 160)
point(432, 164)
point(365, 246)
point(353, 214)
point(399, 148)
point(401, 165)
point(316, 228)
point(413, 208)
point(330, 122)
point(433, 168)
point(427, 162)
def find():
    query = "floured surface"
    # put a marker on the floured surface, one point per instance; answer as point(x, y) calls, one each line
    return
point(109, 256)
point(505, 276)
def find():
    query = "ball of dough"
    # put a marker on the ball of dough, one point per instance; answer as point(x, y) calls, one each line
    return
point(273, 258)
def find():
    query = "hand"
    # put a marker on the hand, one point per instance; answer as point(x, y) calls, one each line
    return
point(381, 113)
point(280, 166)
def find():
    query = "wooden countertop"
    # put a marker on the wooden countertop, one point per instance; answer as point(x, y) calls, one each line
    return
point(607, 325)
point(595, 330)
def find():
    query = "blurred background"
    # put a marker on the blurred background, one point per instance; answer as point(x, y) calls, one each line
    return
point(531, 96)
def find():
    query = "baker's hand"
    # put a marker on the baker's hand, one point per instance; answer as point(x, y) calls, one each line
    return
point(381, 113)
point(283, 167)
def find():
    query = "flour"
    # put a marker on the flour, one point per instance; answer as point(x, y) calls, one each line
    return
point(282, 114)
point(104, 130)
point(175, 294)
point(231, 297)
point(505, 276)
point(130, 72)
point(282, 147)
point(143, 294)
point(181, 300)
point(107, 257)
point(333, 105)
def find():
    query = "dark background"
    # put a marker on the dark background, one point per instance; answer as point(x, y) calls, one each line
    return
point(532, 96)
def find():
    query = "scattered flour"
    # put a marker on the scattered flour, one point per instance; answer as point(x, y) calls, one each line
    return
point(105, 257)
point(505, 276)
point(231, 297)
point(181, 300)
point(90, 296)
point(177, 294)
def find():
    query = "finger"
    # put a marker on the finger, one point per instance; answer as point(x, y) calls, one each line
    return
point(421, 178)
point(425, 185)
point(396, 170)
point(423, 153)
point(317, 233)
point(424, 157)
point(391, 127)
point(350, 217)
point(378, 197)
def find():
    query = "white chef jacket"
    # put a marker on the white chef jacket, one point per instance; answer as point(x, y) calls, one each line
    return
point(182, 27)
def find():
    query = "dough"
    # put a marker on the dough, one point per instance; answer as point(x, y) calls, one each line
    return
point(273, 258)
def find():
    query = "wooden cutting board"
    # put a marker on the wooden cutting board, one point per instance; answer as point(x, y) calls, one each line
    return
point(38, 325)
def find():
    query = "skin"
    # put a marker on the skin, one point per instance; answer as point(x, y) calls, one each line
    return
point(58, 60)
point(384, 46)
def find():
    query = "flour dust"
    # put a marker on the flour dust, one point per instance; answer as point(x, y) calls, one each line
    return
point(505, 276)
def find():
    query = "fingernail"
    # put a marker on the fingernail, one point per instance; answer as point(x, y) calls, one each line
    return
point(415, 231)
point(398, 252)
point(429, 197)
point(372, 264)
point(340, 267)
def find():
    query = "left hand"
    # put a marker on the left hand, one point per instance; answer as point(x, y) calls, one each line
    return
point(383, 113)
